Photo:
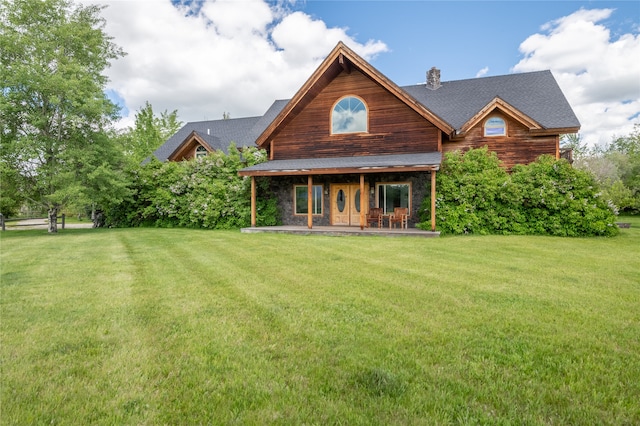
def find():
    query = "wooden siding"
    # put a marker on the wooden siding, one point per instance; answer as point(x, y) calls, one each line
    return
point(187, 150)
point(518, 147)
point(394, 128)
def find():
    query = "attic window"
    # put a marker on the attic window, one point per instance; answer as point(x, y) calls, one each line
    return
point(495, 126)
point(349, 115)
point(201, 151)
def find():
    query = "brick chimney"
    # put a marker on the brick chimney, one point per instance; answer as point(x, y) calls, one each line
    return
point(433, 78)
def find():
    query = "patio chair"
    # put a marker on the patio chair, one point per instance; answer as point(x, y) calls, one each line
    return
point(374, 216)
point(400, 215)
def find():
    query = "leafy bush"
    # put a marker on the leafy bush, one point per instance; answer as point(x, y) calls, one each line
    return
point(202, 193)
point(475, 194)
point(558, 199)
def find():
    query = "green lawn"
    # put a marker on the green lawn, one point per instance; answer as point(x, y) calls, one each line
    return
point(169, 326)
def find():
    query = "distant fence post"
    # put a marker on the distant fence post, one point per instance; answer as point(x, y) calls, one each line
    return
point(63, 218)
point(2, 221)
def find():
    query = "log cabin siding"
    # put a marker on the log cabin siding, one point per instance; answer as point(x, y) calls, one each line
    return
point(186, 152)
point(518, 147)
point(394, 128)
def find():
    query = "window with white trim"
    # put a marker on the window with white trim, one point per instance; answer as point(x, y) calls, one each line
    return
point(349, 115)
point(201, 151)
point(495, 126)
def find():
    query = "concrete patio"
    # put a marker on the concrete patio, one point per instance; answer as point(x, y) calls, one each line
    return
point(342, 231)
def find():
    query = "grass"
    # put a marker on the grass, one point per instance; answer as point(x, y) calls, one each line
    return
point(168, 326)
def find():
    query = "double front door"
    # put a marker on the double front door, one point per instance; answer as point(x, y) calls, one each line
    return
point(345, 204)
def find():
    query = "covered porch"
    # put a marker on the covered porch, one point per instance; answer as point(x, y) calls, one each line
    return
point(354, 179)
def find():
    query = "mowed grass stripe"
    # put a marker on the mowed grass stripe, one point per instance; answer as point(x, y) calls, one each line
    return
point(222, 327)
point(80, 328)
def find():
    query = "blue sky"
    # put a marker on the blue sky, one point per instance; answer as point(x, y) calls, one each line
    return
point(459, 37)
point(237, 56)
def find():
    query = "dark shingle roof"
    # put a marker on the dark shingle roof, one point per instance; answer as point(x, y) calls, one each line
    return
point(220, 133)
point(535, 94)
point(361, 162)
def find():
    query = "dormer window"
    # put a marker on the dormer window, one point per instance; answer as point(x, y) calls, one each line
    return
point(349, 115)
point(201, 151)
point(495, 126)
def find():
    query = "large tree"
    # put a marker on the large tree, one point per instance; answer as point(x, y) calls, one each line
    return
point(616, 167)
point(53, 107)
point(150, 131)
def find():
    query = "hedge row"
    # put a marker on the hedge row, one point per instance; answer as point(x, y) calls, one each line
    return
point(475, 195)
point(202, 193)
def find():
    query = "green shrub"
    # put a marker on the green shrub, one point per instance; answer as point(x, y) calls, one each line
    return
point(561, 200)
point(475, 194)
point(202, 193)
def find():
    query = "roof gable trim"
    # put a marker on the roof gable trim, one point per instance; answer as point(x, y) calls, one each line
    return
point(348, 60)
point(506, 109)
point(188, 142)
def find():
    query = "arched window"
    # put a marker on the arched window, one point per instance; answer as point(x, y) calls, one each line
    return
point(495, 126)
point(201, 151)
point(349, 115)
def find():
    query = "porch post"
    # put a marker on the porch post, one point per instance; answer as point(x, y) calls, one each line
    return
point(362, 196)
point(310, 202)
point(253, 201)
point(433, 200)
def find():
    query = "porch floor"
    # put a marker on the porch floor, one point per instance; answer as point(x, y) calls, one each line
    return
point(342, 231)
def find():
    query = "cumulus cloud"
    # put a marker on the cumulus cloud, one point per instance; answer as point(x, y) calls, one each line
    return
point(214, 57)
point(482, 72)
point(600, 76)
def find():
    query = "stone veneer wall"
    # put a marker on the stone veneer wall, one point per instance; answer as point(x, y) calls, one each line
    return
point(282, 187)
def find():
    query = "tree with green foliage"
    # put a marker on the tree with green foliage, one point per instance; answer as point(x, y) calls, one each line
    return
point(574, 142)
point(10, 194)
point(616, 168)
point(624, 152)
point(53, 105)
point(149, 132)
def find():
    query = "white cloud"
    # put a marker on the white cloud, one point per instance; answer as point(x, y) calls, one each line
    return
point(227, 56)
point(482, 72)
point(599, 76)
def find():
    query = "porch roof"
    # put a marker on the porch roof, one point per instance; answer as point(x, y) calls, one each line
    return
point(342, 165)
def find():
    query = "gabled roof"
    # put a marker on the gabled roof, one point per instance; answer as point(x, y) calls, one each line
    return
point(218, 134)
point(342, 58)
point(535, 95)
point(533, 98)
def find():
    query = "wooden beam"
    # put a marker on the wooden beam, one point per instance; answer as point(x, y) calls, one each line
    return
point(362, 197)
point(344, 63)
point(341, 171)
point(433, 200)
point(253, 201)
point(310, 202)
